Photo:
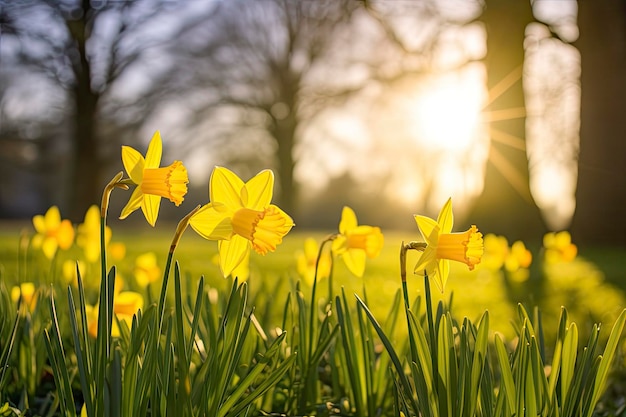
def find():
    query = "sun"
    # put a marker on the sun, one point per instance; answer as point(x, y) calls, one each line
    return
point(447, 113)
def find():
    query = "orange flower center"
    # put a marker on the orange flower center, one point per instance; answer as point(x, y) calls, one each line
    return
point(265, 229)
point(370, 242)
point(169, 182)
point(466, 247)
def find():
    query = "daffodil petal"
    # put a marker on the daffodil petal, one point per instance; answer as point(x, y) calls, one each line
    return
point(65, 235)
point(232, 253)
point(348, 220)
point(49, 247)
point(427, 262)
point(40, 223)
point(259, 190)
point(133, 164)
point(311, 249)
point(443, 270)
point(355, 261)
point(339, 245)
point(445, 220)
point(225, 187)
point(52, 218)
point(212, 222)
point(150, 207)
point(155, 149)
point(428, 228)
point(136, 198)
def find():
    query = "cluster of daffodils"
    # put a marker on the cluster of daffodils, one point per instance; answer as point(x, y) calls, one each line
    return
point(240, 216)
point(514, 259)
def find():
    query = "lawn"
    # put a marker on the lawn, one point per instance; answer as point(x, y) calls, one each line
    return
point(589, 285)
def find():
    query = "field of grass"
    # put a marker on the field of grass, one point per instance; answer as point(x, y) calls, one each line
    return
point(591, 287)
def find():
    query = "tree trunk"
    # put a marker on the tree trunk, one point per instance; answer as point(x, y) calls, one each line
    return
point(506, 206)
point(284, 133)
point(601, 194)
point(85, 188)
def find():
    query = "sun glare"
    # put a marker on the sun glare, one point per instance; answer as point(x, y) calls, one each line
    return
point(447, 113)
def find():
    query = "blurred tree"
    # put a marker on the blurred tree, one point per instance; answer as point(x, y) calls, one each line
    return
point(601, 195)
point(82, 48)
point(255, 69)
point(506, 204)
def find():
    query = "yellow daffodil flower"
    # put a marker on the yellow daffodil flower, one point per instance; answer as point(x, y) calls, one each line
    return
point(52, 232)
point(152, 182)
point(517, 262)
point(518, 257)
point(443, 246)
point(69, 272)
point(241, 271)
point(240, 216)
point(125, 305)
point(25, 293)
point(88, 236)
point(306, 260)
point(559, 247)
point(146, 269)
point(117, 250)
point(496, 250)
point(356, 243)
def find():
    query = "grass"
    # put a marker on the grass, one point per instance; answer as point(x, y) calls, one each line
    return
point(331, 352)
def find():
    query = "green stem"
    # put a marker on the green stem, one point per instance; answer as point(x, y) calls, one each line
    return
point(182, 225)
point(313, 290)
point(431, 325)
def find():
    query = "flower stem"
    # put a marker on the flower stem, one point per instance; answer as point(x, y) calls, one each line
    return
point(182, 225)
point(313, 290)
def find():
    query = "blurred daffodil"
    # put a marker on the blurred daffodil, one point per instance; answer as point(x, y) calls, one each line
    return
point(147, 270)
point(443, 246)
point(152, 182)
point(52, 232)
point(69, 272)
point(559, 247)
point(496, 249)
point(125, 305)
point(117, 251)
point(307, 258)
point(241, 217)
point(26, 294)
point(356, 243)
point(88, 236)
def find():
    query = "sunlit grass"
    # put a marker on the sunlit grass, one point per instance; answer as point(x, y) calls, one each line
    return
point(328, 345)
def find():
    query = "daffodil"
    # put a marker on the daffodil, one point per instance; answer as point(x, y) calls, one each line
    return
point(356, 243)
point(517, 262)
point(152, 182)
point(240, 216)
point(88, 236)
point(443, 246)
point(52, 232)
point(559, 247)
point(125, 305)
point(25, 293)
point(146, 269)
point(307, 259)
point(117, 251)
point(69, 271)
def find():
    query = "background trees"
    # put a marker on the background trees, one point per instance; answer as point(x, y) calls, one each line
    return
point(308, 88)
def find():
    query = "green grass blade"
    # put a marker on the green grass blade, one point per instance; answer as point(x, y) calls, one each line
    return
point(406, 387)
point(82, 353)
point(184, 384)
point(570, 351)
point(508, 383)
point(605, 363)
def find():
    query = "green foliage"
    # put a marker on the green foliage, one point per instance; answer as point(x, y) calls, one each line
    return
point(448, 372)
point(203, 351)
